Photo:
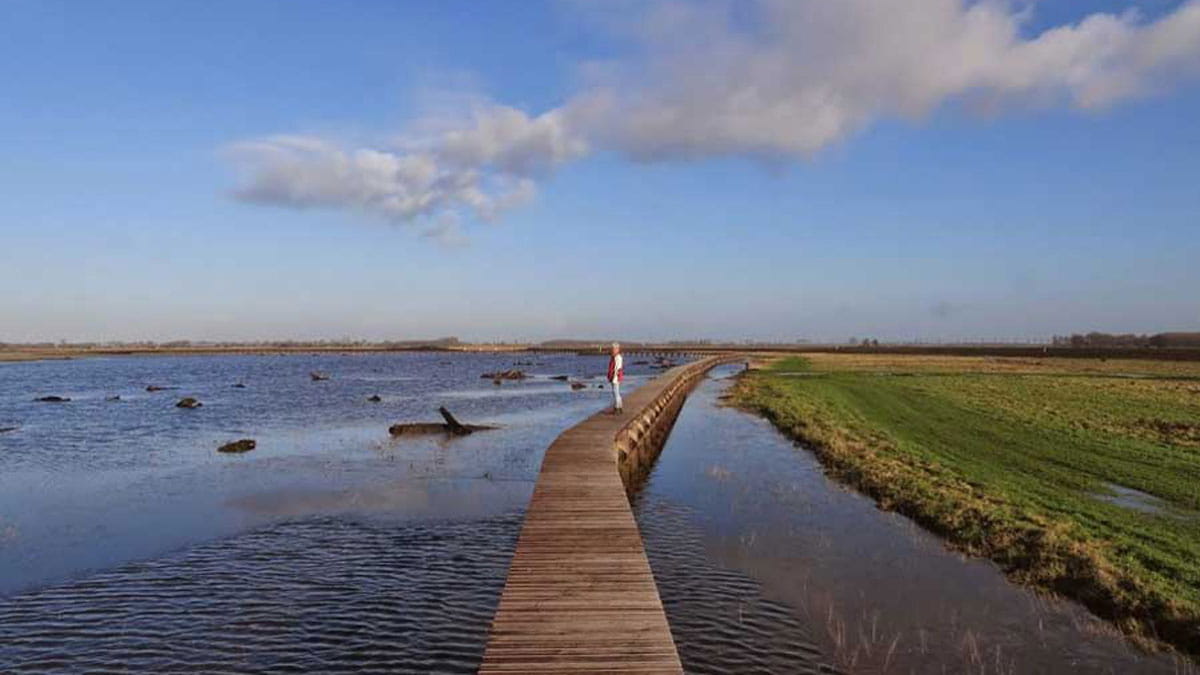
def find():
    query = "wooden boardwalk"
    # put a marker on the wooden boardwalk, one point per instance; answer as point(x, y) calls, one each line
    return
point(580, 596)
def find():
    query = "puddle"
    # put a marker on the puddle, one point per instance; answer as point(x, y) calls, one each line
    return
point(1129, 498)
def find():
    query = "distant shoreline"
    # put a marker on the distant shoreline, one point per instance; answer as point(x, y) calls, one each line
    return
point(67, 353)
point(17, 353)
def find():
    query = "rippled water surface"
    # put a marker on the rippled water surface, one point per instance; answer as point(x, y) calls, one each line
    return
point(127, 542)
point(765, 565)
point(321, 595)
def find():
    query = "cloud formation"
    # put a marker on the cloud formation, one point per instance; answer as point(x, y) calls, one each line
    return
point(483, 168)
point(773, 80)
point(797, 75)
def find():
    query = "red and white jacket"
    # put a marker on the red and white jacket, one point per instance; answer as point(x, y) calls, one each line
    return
point(616, 370)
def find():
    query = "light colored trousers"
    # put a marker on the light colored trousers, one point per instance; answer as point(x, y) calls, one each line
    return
point(616, 387)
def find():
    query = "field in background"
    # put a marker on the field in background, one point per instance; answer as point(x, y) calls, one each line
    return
point(1080, 476)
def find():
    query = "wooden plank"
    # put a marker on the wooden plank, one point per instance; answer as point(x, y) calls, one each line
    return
point(580, 596)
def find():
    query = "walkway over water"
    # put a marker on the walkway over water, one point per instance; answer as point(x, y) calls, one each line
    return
point(580, 596)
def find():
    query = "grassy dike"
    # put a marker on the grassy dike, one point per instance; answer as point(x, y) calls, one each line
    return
point(1032, 464)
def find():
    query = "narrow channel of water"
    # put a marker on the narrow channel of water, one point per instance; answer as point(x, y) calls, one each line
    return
point(766, 565)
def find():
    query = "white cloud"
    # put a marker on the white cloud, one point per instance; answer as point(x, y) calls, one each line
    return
point(794, 76)
point(511, 142)
point(768, 79)
point(483, 168)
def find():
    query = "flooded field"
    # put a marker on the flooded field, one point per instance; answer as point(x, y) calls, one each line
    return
point(127, 541)
point(319, 595)
point(766, 565)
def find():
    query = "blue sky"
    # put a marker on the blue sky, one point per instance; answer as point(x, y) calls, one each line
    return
point(1003, 203)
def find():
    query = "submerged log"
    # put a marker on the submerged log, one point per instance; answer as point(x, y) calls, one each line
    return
point(561, 378)
point(450, 426)
point(53, 399)
point(414, 428)
point(244, 445)
point(7, 429)
point(374, 398)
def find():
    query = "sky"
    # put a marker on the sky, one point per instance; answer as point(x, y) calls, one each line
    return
point(760, 169)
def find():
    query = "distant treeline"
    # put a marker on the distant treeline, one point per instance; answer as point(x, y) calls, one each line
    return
point(1095, 339)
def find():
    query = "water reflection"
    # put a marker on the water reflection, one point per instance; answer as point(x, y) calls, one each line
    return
point(92, 484)
point(128, 543)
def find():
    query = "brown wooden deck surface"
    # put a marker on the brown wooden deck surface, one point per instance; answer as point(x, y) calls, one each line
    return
point(580, 596)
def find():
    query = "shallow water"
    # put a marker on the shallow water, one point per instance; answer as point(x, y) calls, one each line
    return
point(1131, 499)
point(128, 542)
point(321, 595)
point(765, 565)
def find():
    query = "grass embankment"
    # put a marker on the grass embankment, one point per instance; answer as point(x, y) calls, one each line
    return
point(1021, 461)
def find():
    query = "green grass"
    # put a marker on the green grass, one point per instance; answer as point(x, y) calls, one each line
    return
point(1011, 466)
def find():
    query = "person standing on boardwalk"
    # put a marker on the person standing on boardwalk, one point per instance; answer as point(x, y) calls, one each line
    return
point(616, 373)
